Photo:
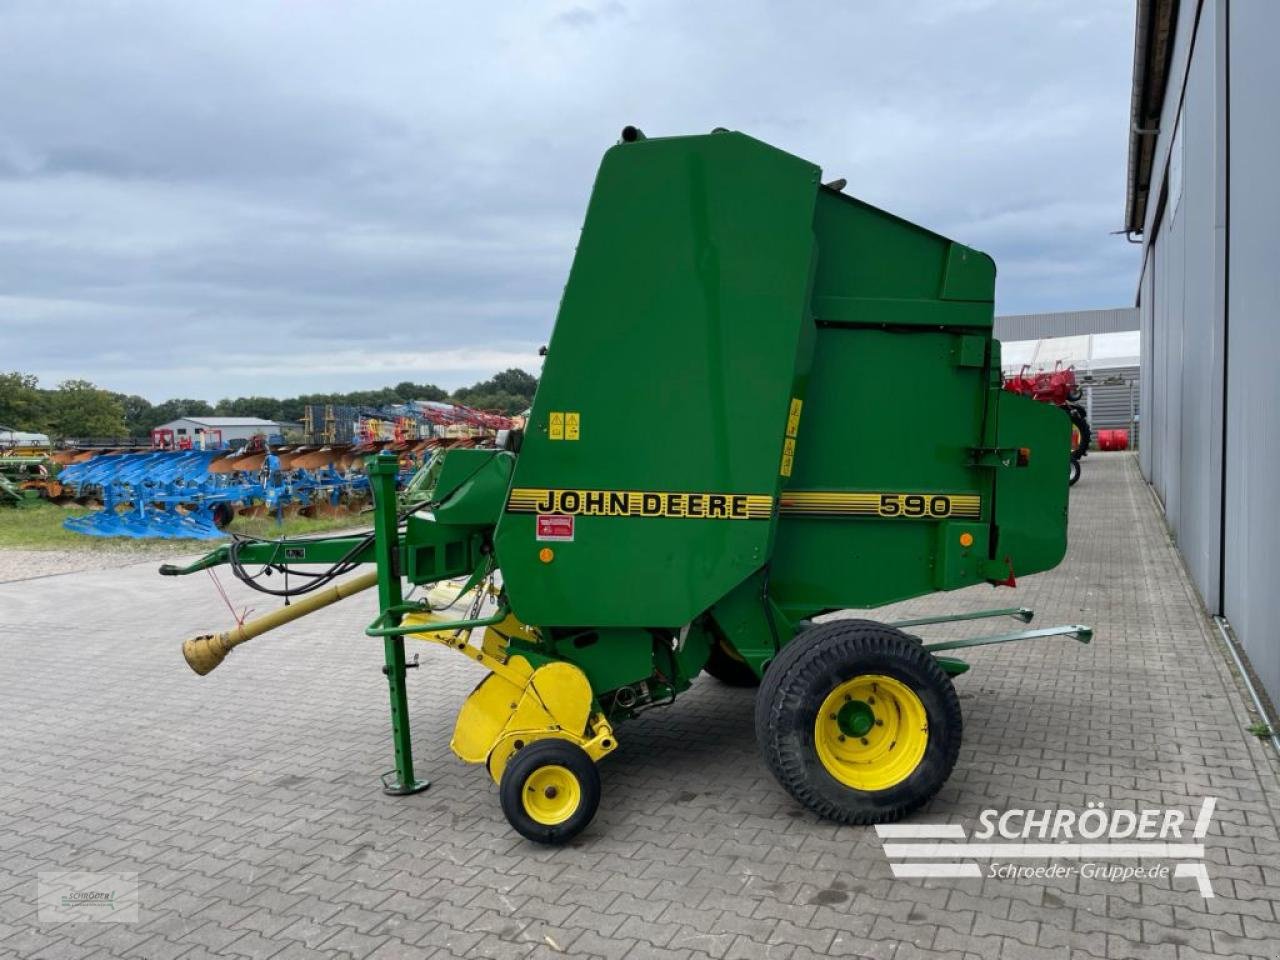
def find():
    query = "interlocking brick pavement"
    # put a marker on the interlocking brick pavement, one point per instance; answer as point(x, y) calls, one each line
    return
point(248, 803)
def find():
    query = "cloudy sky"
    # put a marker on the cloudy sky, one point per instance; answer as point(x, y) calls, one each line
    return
point(227, 198)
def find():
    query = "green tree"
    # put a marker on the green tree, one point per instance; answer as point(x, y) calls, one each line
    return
point(22, 402)
point(79, 409)
point(175, 409)
point(516, 382)
point(499, 401)
point(139, 414)
point(419, 391)
point(510, 391)
point(265, 408)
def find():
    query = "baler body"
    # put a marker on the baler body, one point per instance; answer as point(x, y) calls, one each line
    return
point(764, 400)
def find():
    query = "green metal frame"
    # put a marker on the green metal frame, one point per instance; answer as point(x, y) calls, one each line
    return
point(328, 550)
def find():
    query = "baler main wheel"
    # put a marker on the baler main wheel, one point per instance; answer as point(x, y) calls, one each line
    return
point(550, 790)
point(858, 722)
point(729, 670)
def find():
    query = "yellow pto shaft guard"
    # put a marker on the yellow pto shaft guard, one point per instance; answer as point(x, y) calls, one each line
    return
point(204, 653)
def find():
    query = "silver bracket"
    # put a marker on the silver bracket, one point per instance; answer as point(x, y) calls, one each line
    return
point(1019, 613)
point(1076, 631)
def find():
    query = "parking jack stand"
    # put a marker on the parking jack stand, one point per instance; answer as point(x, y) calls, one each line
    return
point(382, 470)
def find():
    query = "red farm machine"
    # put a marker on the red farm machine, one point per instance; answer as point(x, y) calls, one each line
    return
point(1058, 387)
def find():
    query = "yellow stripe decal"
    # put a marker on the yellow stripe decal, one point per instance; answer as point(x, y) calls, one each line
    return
point(910, 506)
point(739, 506)
point(641, 503)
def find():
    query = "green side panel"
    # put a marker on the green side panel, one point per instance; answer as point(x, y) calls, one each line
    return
point(1031, 501)
point(623, 656)
point(434, 551)
point(754, 627)
point(876, 268)
point(609, 658)
point(677, 346)
point(897, 401)
point(887, 411)
point(471, 487)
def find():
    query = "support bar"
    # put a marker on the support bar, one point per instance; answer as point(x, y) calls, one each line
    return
point(1021, 613)
point(1076, 631)
point(388, 624)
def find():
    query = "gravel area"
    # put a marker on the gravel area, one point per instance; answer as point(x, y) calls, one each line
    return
point(16, 564)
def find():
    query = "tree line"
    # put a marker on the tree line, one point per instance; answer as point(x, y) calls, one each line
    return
point(78, 408)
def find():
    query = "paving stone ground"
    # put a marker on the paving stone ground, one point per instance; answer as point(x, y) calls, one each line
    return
point(247, 802)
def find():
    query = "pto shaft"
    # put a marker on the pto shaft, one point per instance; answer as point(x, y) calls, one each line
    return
point(205, 652)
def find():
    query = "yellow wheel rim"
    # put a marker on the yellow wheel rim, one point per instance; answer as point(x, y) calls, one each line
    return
point(551, 795)
point(871, 732)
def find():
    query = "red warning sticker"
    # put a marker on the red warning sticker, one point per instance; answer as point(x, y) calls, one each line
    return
point(555, 526)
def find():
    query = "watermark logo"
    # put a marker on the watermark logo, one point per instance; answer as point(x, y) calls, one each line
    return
point(1096, 843)
point(72, 897)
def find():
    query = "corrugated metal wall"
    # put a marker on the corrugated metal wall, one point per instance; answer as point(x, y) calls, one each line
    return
point(1209, 303)
point(1251, 600)
point(1180, 320)
point(1073, 323)
point(1198, 520)
point(1112, 402)
point(1146, 297)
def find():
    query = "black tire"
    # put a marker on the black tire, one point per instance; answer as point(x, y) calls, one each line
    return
point(729, 670)
point(223, 514)
point(1075, 472)
point(526, 764)
point(1081, 423)
point(810, 668)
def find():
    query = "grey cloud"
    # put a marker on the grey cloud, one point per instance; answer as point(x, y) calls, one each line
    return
point(198, 179)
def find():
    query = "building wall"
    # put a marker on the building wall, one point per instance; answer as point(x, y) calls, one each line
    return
point(1209, 299)
point(1251, 600)
point(1181, 319)
point(228, 433)
point(1072, 323)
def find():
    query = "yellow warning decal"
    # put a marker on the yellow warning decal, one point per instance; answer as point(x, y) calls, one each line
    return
point(788, 456)
point(793, 417)
point(564, 425)
point(789, 441)
point(911, 506)
point(641, 503)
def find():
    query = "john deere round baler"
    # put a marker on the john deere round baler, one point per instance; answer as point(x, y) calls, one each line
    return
point(763, 401)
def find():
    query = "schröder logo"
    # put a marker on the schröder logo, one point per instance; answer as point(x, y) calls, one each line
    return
point(69, 896)
point(1096, 821)
point(1093, 843)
